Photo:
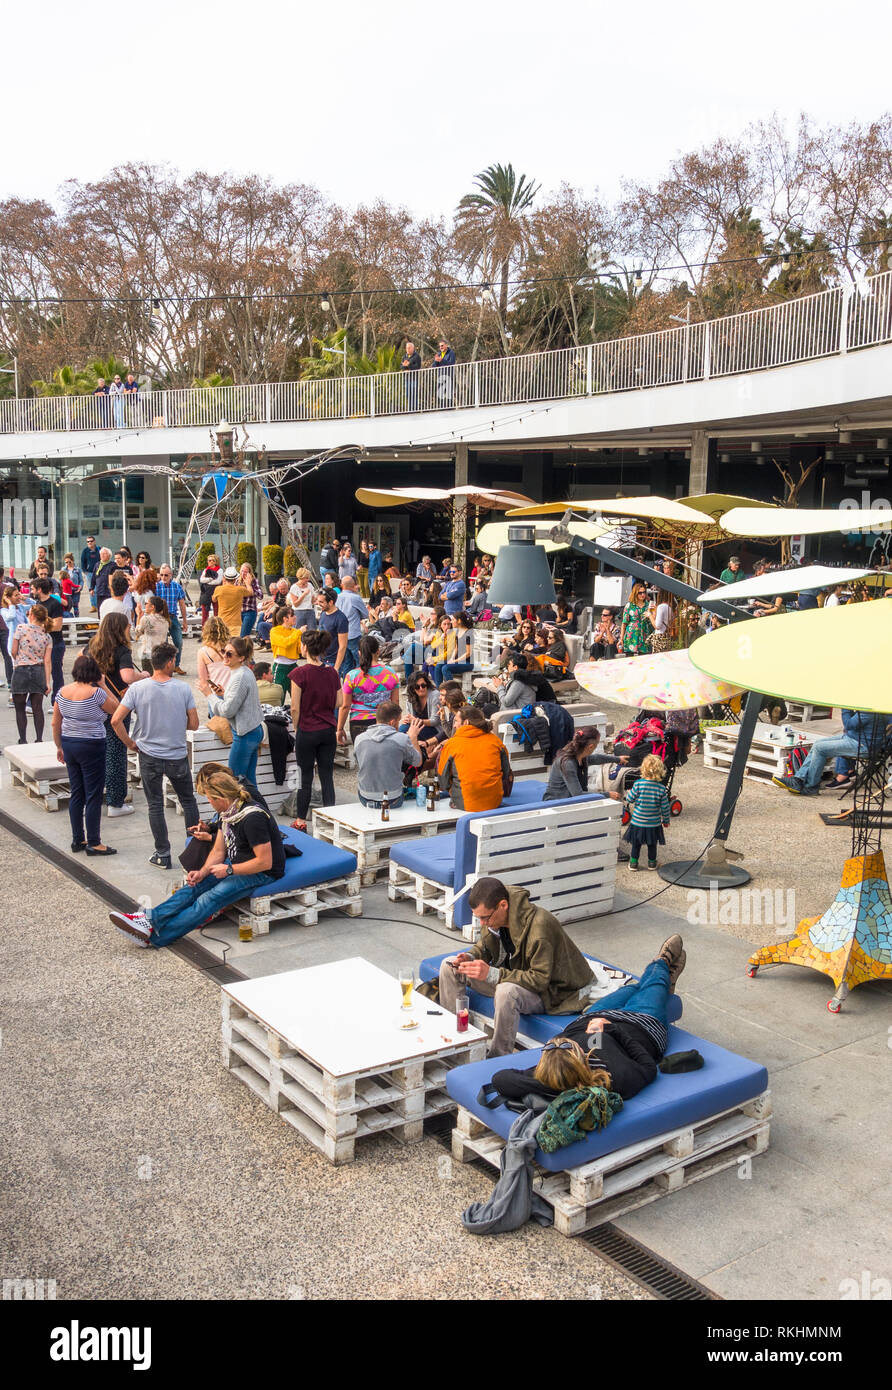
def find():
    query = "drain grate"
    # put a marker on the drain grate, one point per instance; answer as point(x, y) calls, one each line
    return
point(629, 1256)
point(651, 1271)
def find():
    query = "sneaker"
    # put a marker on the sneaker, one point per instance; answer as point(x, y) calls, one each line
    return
point(633, 865)
point(651, 863)
point(673, 953)
point(161, 861)
point(124, 810)
point(789, 784)
point(134, 925)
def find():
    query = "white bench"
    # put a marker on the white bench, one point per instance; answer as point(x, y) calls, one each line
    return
point(530, 763)
point(36, 769)
point(564, 855)
point(203, 746)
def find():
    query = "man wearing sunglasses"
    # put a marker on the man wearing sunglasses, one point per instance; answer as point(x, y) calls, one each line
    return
point(524, 960)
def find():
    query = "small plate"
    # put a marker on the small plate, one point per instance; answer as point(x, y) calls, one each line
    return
point(409, 1024)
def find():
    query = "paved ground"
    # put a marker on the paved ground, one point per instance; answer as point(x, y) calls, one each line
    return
point(109, 1056)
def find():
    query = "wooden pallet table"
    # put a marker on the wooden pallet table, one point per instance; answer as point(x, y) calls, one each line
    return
point(36, 769)
point(361, 830)
point(637, 1174)
point(766, 758)
point(78, 631)
point(798, 713)
point(300, 906)
point(284, 1036)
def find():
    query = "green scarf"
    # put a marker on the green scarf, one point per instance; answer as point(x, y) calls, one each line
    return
point(573, 1114)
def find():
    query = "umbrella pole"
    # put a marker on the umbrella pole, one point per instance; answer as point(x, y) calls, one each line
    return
point(714, 868)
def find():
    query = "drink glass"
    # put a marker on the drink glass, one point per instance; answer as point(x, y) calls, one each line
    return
point(407, 984)
point(462, 1013)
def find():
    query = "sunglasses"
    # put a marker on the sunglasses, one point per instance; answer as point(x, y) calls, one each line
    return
point(560, 1045)
point(229, 653)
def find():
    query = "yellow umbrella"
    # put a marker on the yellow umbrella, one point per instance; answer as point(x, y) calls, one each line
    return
point(662, 513)
point(826, 656)
point(494, 499)
point(492, 536)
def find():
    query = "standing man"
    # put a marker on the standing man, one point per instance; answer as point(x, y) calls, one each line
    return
point(328, 560)
point(376, 564)
point(411, 364)
point(102, 403)
point(351, 605)
point(445, 361)
point(42, 558)
point(230, 596)
point(100, 576)
point(42, 590)
point(334, 622)
point(165, 709)
point(131, 394)
point(174, 595)
point(455, 592)
point(90, 559)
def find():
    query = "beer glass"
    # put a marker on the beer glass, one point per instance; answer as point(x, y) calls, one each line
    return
point(407, 984)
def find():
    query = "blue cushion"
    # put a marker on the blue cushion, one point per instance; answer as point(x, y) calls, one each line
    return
point(525, 792)
point(318, 862)
point(538, 1026)
point(725, 1080)
point(433, 856)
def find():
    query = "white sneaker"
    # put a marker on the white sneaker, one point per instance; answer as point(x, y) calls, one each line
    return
point(124, 810)
point(134, 925)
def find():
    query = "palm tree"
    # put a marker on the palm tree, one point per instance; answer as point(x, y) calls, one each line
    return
point(494, 223)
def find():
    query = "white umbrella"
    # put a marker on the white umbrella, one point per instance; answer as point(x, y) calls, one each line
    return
point(783, 582)
point(795, 521)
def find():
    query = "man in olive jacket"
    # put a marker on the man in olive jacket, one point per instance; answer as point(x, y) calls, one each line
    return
point(524, 960)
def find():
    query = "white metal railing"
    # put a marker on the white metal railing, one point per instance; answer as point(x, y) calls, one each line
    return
point(797, 330)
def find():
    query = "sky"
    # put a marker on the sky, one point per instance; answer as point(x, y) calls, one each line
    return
point(408, 101)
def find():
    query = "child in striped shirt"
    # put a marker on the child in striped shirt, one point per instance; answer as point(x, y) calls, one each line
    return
point(649, 804)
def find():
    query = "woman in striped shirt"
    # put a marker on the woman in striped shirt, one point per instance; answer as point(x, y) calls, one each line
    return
point(79, 735)
point(649, 803)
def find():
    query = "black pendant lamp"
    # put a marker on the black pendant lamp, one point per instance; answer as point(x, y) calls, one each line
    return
point(522, 574)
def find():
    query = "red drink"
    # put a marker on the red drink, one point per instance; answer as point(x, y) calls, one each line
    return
point(461, 1020)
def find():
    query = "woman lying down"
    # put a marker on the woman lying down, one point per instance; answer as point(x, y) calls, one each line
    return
point(616, 1044)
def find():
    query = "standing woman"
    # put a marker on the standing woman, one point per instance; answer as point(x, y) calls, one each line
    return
point(152, 629)
point(362, 568)
point(80, 714)
point(347, 562)
point(143, 561)
point(248, 581)
point(367, 686)
point(110, 649)
point(240, 704)
point(213, 669)
point(31, 649)
point(142, 588)
point(315, 698)
point(207, 586)
point(636, 628)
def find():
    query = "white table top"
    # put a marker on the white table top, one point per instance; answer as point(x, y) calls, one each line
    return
point(409, 816)
point(346, 1016)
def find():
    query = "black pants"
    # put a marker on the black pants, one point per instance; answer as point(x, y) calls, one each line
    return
point(153, 772)
point(315, 748)
point(85, 760)
point(115, 765)
point(7, 659)
point(57, 656)
point(21, 718)
point(603, 651)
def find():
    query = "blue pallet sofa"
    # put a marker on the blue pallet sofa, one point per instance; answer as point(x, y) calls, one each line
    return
point(536, 1027)
point(725, 1081)
point(449, 859)
point(319, 864)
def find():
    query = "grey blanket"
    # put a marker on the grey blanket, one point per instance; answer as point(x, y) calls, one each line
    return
point(512, 1201)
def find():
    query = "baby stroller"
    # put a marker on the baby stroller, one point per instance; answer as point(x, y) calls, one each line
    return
point(653, 735)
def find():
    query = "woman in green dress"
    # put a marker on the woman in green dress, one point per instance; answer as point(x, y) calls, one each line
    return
point(636, 625)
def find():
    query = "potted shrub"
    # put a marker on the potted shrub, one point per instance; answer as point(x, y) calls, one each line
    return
point(206, 549)
point(246, 554)
point(292, 560)
point(273, 562)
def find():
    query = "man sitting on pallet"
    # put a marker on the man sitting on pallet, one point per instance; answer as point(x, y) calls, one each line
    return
point(246, 853)
point(524, 960)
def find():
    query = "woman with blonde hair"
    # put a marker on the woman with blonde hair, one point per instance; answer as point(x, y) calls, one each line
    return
point(248, 580)
point(213, 671)
point(246, 853)
point(152, 629)
point(300, 599)
point(240, 704)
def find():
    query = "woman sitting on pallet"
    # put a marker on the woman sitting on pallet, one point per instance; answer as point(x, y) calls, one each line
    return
point(618, 1043)
point(246, 852)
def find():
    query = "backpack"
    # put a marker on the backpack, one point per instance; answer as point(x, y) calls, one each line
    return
point(795, 757)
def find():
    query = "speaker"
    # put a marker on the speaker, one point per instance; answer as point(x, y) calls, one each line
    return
point(521, 573)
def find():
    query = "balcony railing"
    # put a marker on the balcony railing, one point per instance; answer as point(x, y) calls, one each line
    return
point(798, 330)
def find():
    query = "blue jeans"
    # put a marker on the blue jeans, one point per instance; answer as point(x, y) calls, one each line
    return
point(176, 637)
point(85, 760)
point(263, 630)
point(448, 670)
point(248, 620)
point(189, 908)
point(244, 752)
point(367, 801)
point(649, 996)
point(823, 749)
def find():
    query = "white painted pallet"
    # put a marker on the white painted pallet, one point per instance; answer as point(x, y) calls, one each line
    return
point(299, 905)
point(527, 763)
point(203, 746)
point(35, 768)
point(766, 758)
point(799, 713)
point(361, 831)
point(565, 857)
point(633, 1176)
point(332, 1112)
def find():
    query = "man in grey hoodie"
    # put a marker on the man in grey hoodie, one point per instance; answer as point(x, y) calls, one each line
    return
point(381, 754)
